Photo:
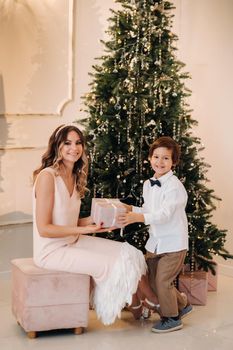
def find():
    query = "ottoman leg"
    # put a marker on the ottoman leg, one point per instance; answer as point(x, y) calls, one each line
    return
point(78, 330)
point(31, 335)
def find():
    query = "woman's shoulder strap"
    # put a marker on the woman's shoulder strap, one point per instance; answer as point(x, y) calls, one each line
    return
point(49, 170)
point(46, 170)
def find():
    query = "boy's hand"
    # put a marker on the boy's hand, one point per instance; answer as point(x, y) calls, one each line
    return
point(127, 207)
point(125, 219)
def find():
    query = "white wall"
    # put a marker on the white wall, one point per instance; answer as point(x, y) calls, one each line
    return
point(51, 81)
point(204, 28)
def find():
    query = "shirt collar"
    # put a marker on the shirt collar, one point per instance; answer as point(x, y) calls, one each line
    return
point(164, 178)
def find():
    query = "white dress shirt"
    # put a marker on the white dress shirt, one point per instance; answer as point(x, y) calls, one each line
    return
point(164, 212)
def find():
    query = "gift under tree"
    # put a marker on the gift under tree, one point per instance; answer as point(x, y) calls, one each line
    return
point(137, 94)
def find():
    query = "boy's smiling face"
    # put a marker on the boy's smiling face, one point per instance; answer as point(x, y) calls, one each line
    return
point(161, 161)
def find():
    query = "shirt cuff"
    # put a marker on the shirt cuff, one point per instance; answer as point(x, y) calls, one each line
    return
point(136, 209)
point(147, 219)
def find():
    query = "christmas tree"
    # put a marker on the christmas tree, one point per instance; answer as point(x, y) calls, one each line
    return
point(137, 94)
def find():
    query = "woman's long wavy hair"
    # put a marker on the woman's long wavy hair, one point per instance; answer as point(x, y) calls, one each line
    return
point(52, 157)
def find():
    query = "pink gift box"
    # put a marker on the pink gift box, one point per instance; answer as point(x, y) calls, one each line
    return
point(195, 286)
point(213, 280)
point(105, 210)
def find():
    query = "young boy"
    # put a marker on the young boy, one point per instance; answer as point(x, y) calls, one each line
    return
point(163, 210)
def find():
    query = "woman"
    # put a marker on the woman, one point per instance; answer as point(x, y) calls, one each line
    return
point(60, 238)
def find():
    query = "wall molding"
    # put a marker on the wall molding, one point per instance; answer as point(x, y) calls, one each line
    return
point(5, 275)
point(8, 223)
point(44, 59)
point(19, 148)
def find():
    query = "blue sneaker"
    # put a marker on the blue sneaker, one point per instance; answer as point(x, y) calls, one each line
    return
point(167, 324)
point(185, 311)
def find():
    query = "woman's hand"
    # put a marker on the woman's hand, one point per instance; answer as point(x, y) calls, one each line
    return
point(125, 219)
point(85, 221)
point(95, 229)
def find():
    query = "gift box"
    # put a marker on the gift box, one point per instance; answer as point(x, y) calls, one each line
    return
point(213, 280)
point(195, 286)
point(105, 210)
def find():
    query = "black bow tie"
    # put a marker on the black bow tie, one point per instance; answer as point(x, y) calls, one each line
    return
point(155, 182)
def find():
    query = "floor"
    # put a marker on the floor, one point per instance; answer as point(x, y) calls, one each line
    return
point(209, 327)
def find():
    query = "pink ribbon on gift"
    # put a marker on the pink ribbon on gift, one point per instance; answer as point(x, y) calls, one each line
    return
point(114, 218)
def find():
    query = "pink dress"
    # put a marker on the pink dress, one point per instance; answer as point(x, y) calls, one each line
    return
point(115, 267)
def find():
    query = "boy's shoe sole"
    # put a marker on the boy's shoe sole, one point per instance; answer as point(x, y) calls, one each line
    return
point(155, 330)
point(167, 324)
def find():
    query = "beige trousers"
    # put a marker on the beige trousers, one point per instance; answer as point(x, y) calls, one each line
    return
point(163, 270)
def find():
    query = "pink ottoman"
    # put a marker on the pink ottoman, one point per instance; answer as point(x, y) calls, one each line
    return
point(45, 299)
